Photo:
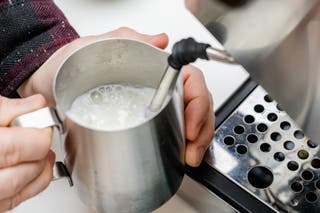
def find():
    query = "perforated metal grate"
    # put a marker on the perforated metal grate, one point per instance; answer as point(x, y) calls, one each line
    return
point(264, 151)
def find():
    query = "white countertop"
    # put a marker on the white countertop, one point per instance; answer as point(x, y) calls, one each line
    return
point(147, 16)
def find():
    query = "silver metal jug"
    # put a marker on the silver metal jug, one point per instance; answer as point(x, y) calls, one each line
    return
point(132, 170)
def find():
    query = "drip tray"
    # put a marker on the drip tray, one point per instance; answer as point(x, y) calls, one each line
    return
point(262, 150)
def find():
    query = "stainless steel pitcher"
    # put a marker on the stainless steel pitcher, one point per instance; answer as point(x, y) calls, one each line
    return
point(132, 170)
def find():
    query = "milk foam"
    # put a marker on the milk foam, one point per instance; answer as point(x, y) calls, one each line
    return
point(112, 107)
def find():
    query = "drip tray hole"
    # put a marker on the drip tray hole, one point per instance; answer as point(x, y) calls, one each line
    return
point(229, 140)
point(260, 177)
point(242, 149)
point(258, 108)
point(265, 147)
point(272, 117)
point(288, 145)
point(296, 187)
point(238, 130)
point(285, 125)
point(279, 156)
point(252, 138)
point(311, 144)
point(249, 119)
point(311, 197)
point(317, 184)
point(307, 175)
point(262, 127)
point(275, 136)
point(268, 99)
point(315, 163)
point(303, 154)
point(298, 134)
point(293, 165)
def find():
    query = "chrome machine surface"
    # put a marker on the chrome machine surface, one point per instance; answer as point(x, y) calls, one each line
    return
point(264, 151)
point(278, 44)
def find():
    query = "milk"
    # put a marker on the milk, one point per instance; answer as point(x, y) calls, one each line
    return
point(113, 107)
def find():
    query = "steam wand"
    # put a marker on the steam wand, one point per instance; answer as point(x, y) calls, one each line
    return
point(184, 52)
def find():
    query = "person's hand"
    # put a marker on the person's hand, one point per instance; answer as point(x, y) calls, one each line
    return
point(198, 112)
point(25, 157)
point(199, 115)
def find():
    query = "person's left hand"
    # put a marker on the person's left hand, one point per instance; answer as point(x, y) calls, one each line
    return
point(199, 115)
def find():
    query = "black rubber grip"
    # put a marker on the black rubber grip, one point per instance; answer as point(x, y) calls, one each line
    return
point(187, 51)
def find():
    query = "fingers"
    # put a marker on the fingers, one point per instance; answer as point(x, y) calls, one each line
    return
point(195, 149)
point(199, 116)
point(12, 108)
point(33, 188)
point(196, 114)
point(23, 144)
point(160, 40)
point(13, 179)
point(197, 101)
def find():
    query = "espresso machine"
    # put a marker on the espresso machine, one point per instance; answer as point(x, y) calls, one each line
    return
point(265, 156)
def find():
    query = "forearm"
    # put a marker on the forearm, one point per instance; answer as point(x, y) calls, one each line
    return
point(30, 32)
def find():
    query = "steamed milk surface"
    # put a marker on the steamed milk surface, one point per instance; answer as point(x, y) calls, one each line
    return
point(112, 107)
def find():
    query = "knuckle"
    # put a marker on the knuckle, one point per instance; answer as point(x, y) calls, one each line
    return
point(10, 154)
point(123, 31)
point(40, 100)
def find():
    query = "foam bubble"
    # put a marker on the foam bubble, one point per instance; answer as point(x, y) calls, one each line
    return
point(113, 106)
point(96, 97)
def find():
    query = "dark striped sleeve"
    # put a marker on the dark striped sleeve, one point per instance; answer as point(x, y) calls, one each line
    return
point(30, 32)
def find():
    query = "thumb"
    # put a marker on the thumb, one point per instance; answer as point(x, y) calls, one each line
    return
point(160, 40)
point(12, 108)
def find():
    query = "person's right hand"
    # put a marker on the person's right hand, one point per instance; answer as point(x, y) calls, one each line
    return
point(25, 158)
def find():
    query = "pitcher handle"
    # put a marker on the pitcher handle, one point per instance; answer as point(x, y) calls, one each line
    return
point(43, 118)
